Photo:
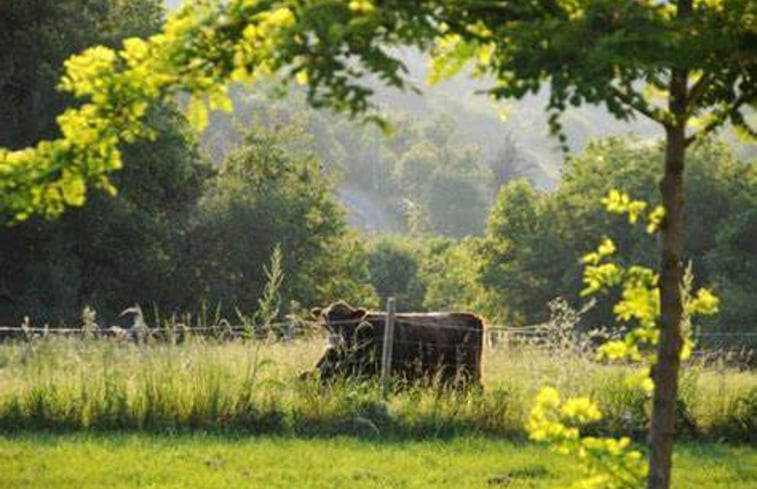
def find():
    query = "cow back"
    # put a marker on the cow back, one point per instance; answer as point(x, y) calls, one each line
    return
point(450, 344)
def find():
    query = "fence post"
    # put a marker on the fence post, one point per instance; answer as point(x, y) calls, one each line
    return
point(386, 353)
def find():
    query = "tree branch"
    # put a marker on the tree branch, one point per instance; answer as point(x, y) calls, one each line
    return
point(638, 105)
point(718, 120)
point(698, 88)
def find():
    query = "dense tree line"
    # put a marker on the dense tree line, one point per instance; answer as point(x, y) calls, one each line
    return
point(271, 193)
point(181, 233)
point(111, 250)
point(532, 248)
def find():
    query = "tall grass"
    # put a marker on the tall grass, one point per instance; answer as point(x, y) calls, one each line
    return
point(251, 387)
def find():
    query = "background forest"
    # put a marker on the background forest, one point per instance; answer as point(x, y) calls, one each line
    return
point(464, 207)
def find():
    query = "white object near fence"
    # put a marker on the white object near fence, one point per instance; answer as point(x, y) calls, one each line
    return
point(386, 353)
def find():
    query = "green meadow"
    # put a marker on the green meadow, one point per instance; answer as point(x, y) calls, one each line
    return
point(124, 461)
point(84, 413)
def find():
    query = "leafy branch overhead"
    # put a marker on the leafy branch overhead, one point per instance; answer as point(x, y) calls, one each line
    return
point(638, 308)
point(618, 54)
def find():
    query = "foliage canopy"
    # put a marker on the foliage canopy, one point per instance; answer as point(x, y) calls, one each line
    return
point(589, 51)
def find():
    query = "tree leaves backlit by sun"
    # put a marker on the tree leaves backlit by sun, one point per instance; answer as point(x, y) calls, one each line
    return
point(330, 45)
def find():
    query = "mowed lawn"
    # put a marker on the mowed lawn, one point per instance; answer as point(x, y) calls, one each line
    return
point(194, 461)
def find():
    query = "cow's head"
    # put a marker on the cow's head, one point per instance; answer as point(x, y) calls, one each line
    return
point(351, 341)
point(342, 321)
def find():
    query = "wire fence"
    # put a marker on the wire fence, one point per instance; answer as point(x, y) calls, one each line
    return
point(430, 323)
point(447, 346)
point(493, 334)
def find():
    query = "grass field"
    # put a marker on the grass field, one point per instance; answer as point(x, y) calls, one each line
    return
point(138, 461)
point(85, 414)
point(70, 385)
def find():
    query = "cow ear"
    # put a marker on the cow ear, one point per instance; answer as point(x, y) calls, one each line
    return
point(316, 312)
point(359, 313)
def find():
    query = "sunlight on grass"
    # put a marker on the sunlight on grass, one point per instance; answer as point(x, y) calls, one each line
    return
point(251, 387)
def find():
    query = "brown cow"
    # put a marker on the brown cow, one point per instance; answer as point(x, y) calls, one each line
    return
point(428, 347)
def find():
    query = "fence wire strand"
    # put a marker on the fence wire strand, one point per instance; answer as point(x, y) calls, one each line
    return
point(519, 331)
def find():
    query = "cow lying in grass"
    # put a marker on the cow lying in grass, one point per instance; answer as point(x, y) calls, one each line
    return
point(432, 348)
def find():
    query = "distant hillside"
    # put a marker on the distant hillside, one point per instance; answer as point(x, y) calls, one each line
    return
point(481, 119)
point(487, 122)
point(489, 127)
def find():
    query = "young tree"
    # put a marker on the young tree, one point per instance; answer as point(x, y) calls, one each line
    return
point(271, 194)
point(696, 56)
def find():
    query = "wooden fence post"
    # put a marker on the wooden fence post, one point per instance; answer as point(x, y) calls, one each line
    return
point(386, 353)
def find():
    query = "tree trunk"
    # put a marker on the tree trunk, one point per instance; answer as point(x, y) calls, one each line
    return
point(665, 370)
